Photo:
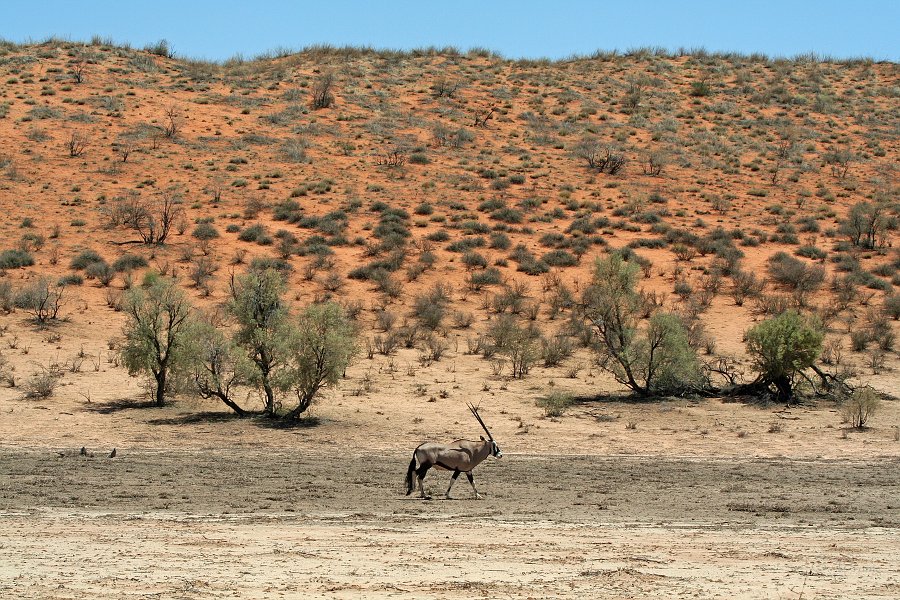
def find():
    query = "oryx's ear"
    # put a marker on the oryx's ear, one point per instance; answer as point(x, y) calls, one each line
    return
point(482, 437)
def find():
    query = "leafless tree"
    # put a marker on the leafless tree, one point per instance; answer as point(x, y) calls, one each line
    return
point(78, 70)
point(42, 299)
point(322, 96)
point(125, 147)
point(173, 122)
point(154, 220)
point(216, 188)
point(599, 156)
point(395, 157)
point(839, 162)
point(655, 163)
point(482, 118)
point(633, 97)
point(445, 88)
point(77, 144)
point(782, 152)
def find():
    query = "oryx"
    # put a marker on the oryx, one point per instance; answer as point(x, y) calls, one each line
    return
point(461, 456)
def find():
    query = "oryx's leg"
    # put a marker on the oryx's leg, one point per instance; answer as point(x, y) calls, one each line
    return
point(420, 476)
point(472, 483)
point(452, 481)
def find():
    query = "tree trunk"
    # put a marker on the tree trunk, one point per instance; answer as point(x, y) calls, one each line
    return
point(300, 409)
point(231, 404)
point(785, 392)
point(160, 387)
point(270, 398)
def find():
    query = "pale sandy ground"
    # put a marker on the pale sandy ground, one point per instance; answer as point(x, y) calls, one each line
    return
point(699, 499)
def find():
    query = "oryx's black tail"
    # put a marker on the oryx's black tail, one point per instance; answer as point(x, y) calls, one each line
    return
point(409, 474)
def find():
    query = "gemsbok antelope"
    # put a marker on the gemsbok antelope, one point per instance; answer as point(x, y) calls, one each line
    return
point(461, 456)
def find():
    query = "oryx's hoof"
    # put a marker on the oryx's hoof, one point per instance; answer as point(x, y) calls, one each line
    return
point(448, 497)
point(425, 497)
point(479, 497)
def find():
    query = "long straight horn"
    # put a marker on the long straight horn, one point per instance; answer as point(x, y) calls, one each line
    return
point(483, 426)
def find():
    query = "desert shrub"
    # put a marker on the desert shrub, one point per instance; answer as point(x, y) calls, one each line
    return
point(511, 216)
point(555, 403)
point(478, 280)
point(431, 308)
point(795, 274)
point(860, 406)
point(553, 239)
point(782, 347)
point(42, 299)
point(528, 263)
point(892, 306)
point(85, 258)
point(129, 262)
point(322, 344)
point(31, 241)
point(474, 260)
point(263, 263)
point(520, 347)
point(600, 157)
point(288, 210)
point(100, 271)
point(263, 332)
point(219, 367)
point(322, 91)
point(70, 279)
point(205, 231)
point(15, 259)
point(466, 244)
point(866, 224)
point(41, 385)
point(812, 252)
point(860, 339)
point(499, 241)
point(253, 233)
point(556, 349)
point(559, 258)
point(7, 297)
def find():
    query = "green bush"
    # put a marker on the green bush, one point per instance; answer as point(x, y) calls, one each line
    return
point(70, 279)
point(555, 403)
point(253, 233)
point(656, 361)
point(892, 306)
point(480, 279)
point(100, 271)
point(859, 407)
point(129, 262)
point(85, 258)
point(560, 258)
point(206, 231)
point(782, 347)
point(15, 259)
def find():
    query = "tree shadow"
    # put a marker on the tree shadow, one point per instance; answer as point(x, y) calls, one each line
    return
point(198, 418)
point(621, 398)
point(306, 422)
point(115, 406)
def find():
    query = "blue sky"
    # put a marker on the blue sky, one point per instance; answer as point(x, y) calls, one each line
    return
point(524, 28)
